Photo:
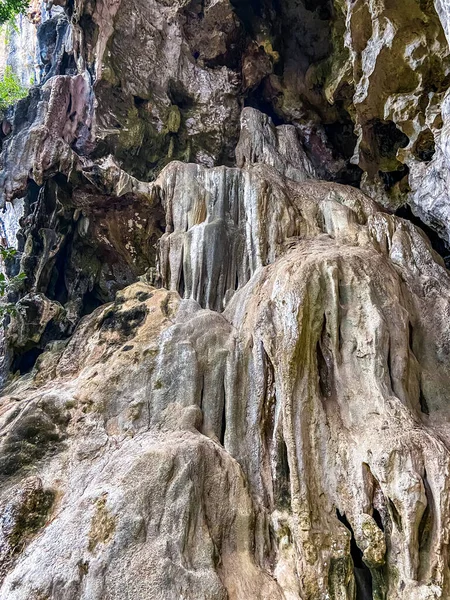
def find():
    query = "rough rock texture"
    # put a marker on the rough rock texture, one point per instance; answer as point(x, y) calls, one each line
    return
point(227, 375)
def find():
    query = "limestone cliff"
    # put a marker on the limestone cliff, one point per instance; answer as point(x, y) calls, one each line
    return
point(227, 374)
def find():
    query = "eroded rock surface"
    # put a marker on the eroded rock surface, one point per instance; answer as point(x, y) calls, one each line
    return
point(272, 426)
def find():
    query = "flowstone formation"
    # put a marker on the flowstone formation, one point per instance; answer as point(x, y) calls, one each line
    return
point(227, 374)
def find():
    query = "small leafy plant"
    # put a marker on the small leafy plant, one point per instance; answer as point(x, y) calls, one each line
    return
point(11, 90)
point(11, 8)
point(7, 284)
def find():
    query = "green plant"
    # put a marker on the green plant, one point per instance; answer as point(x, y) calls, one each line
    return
point(11, 90)
point(10, 8)
point(7, 284)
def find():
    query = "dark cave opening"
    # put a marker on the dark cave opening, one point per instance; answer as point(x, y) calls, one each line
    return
point(138, 102)
point(425, 146)
point(349, 175)
point(57, 288)
point(247, 11)
point(25, 361)
point(437, 243)
point(341, 135)
point(257, 99)
point(388, 138)
point(377, 518)
point(390, 178)
point(363, 576)
point(342, 139)
point(90, 303)
point(179, 96)
point(379, 147)
point(68, 65)
point(323, 8)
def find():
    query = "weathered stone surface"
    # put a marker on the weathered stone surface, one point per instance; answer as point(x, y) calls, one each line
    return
point(363, 84)
point(236, 455)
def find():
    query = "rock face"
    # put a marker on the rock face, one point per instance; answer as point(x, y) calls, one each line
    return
point(227, 374)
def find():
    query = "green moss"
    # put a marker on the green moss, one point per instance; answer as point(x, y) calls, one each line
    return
point(379, 591)
point(171, 149)
point(336, 69)
point(340, 578)
point(266, 44)
point(174, 119)
point(31, 517)
point(133, 131)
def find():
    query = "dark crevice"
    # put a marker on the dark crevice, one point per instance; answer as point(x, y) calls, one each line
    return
point(391, 178)
point(423, 403)
point(425, 527)
point(389, 368)
point(388, 138)
point(377, 518)
point(236, 280)
point(257, 99)
point(179, 96)
point(342, 137)
point(268, 409)
point(395, 515)
point(349, 175)
point(425, 146)
point(323, 8)
point(356, 553)
point(247, 11)
point(340, 307)
point(363, 576)
point(90, 303)
point(410, 337)
point(138, 102)
point(324, 372)
point(437, 243)
point(268, 418)
point(381, 142)
point(202, 392)
point(282, 483)
point(181, 284)
point(57, 288)
point(68, 64)
point(25, 362)
point(223, 425)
